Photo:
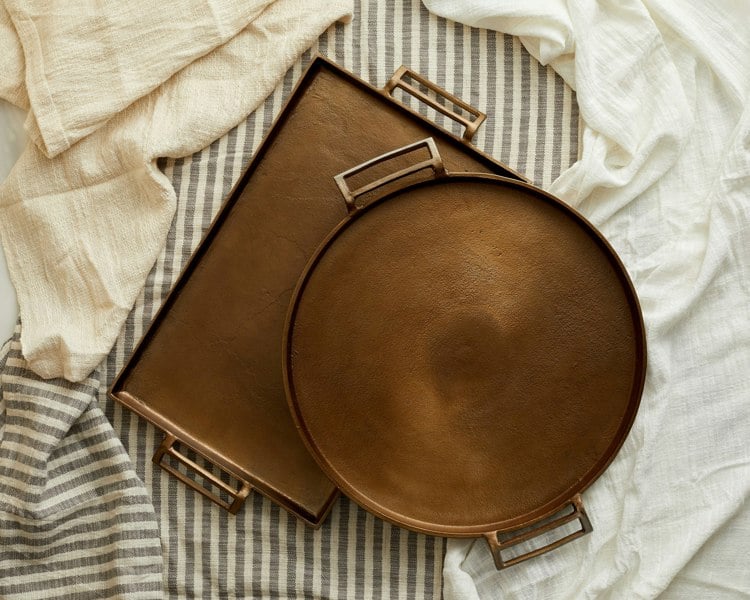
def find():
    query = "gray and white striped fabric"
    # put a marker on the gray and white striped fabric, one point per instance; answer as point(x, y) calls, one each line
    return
point(263, 551)
point(75, 522)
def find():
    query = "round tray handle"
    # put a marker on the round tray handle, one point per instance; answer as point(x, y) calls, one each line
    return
point(497, 546)
point(435, 162)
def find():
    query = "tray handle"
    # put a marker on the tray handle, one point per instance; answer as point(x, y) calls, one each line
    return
point(435, 162)
point(167, 447)
point(497, 546)
point(399, 81)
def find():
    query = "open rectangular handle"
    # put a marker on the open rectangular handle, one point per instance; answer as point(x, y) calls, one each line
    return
point(167, 447)
point(435, 162)
point(399, 80)
point(497, 546)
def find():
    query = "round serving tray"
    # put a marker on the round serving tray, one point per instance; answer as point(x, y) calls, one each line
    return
point(465, 355)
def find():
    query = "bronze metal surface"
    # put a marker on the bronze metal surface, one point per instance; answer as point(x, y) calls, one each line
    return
point(465, 355)
point(208, 371)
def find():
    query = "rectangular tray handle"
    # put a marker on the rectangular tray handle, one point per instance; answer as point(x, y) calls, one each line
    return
point(399, 81)
point(496, 546)
point(435, 162)
point(167, 447)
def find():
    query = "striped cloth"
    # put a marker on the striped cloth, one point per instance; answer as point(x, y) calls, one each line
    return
point(69, 463)
point(75, 521)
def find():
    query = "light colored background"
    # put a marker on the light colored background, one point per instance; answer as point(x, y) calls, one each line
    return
point(12, 141)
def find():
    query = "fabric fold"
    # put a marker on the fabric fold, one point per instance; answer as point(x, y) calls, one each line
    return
point(87, 61)
point(82, 230)
point(12, 85)
point(75, 520)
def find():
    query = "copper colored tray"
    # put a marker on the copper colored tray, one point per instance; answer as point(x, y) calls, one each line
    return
point(464, 356)
point(208, 371)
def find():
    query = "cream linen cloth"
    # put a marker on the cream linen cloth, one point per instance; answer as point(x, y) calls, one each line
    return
point(662, 88)
point(110, 87)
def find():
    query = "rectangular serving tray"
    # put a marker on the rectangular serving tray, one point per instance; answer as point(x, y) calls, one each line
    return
point(208, 370)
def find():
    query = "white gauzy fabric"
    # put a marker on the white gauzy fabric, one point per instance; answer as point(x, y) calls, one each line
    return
point(82, 230)
point(663, 90)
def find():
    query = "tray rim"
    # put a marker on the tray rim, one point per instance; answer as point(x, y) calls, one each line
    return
point(561, 500)
point(130, 401)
